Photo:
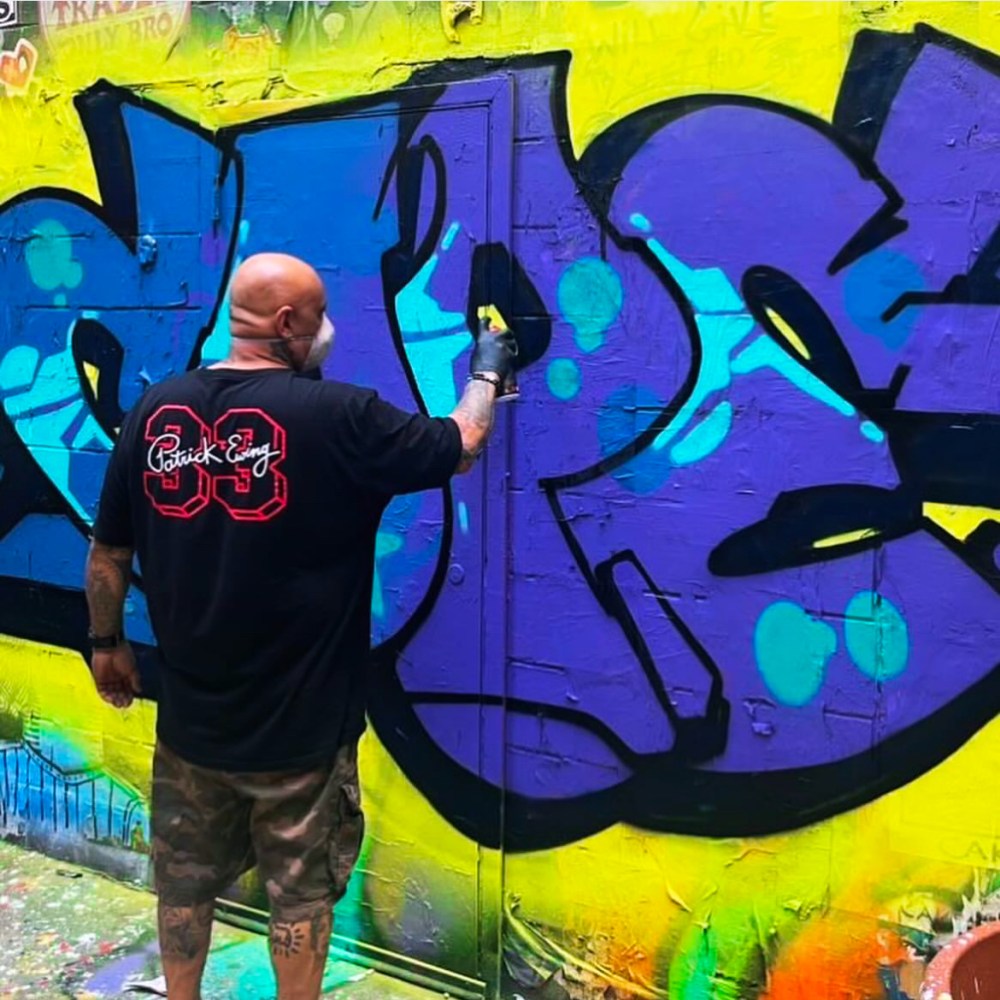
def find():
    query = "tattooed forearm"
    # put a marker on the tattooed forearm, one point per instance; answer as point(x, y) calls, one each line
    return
point(109, 572)
point(185, 931)
point(474, 416)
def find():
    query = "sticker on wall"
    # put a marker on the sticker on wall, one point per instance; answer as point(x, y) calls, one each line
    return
point(17, 67)
point(94, 26)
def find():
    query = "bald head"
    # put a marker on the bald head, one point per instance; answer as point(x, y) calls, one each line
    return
point(271, 290)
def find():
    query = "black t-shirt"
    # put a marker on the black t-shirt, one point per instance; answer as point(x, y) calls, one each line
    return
point(252, 500)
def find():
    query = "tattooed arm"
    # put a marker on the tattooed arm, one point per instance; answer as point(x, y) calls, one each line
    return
point(491, 365)
point(474, 416)
point(109, 572)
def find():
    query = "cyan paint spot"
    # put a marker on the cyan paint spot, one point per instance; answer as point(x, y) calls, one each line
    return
point(872, 431)
point(59, 300)
point(792, 650)
point(49, 255)
point(563, 378)
point(872, 285)
point(704, 437)
point(590, 298)
point(463, 517)
point(640, 222)
point(878, 640)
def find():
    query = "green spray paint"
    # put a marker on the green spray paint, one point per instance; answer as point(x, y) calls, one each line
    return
point(693, 971)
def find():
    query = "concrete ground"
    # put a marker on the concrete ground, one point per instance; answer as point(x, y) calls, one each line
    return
point(68, 933)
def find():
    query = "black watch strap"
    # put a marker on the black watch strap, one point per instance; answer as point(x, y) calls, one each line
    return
point(105, 641)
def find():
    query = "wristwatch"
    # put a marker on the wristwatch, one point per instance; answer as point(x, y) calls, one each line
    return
point(105, 641)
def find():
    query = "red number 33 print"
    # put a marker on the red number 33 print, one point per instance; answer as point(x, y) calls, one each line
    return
point(234, 462)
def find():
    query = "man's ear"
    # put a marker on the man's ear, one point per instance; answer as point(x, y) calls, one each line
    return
point(283, 321)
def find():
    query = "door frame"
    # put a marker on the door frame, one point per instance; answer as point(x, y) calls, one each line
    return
point(495, 94)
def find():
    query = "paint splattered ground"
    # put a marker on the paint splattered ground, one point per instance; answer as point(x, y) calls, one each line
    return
point(66, 932)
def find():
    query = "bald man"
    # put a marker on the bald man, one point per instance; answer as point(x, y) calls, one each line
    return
point(251, 496)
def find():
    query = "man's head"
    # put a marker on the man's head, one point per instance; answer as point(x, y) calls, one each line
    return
point(279, 301)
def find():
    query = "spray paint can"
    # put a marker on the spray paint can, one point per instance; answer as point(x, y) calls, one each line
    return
point(509, 390)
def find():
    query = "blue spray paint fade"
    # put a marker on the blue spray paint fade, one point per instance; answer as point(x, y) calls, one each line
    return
point(626, 413)
point(873, 285)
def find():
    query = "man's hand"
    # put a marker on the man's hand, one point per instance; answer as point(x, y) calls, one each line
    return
point(492, 368)
point(496, 348)
point(115, 675)
point(109, 570)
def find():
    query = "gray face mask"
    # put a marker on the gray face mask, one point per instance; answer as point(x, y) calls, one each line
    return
point(319, 349)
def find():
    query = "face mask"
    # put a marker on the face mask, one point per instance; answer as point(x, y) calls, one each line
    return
point(319, 349)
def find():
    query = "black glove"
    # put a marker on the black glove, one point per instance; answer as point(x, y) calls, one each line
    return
point(495, 351)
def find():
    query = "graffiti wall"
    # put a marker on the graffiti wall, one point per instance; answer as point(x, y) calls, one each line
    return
point(690, 689)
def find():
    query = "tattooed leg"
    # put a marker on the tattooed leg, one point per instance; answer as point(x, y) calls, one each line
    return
point(298, 953)
point(185, 933)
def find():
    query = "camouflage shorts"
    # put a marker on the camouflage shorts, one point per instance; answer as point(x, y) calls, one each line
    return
point(302, 830)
